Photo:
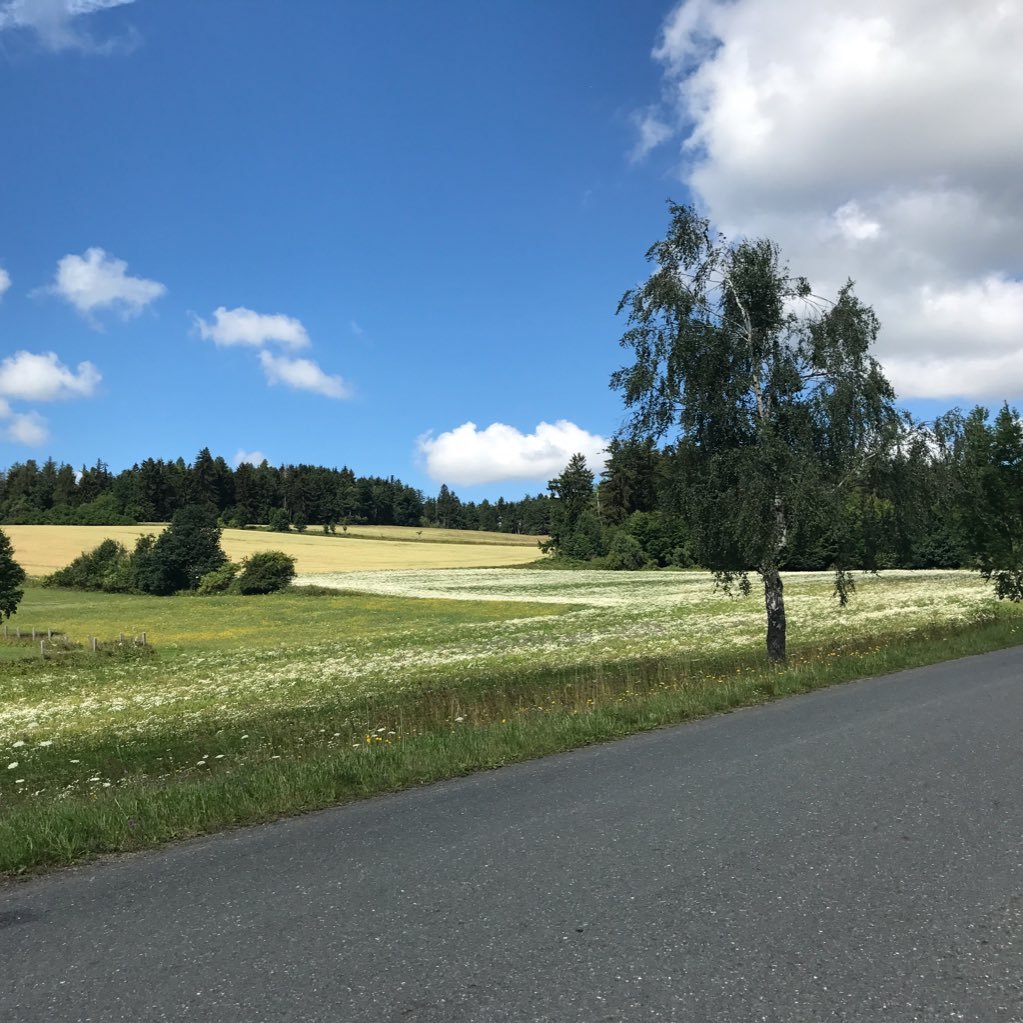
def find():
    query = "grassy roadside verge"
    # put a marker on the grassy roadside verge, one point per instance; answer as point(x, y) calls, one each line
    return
point(381, 745)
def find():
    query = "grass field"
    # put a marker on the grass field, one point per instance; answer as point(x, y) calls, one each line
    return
point(257, 706)
point(42, 549)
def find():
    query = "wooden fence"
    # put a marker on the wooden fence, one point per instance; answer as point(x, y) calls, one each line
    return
point(54, 643)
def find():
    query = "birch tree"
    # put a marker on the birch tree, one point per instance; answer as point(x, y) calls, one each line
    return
point(770, 394)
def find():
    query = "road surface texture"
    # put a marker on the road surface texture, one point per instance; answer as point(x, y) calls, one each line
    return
point(853, 854)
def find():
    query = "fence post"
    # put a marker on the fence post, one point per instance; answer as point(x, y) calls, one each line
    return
point(42, 649)
point(93, 638)
point(17, 632)
point(33, 633)
point(143, 639)
point(49, 633)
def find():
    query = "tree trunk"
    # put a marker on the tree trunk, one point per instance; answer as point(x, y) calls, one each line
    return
point(775, 603)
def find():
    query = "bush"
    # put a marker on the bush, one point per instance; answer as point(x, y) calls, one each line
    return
point(626, 553)
point(220, 580)
point(102, 568)
point(279, 521)
point(265, 572)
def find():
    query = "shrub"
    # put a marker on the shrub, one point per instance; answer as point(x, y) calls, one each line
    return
point(119, 576)
point(265, 572)
point(220, 580)
point(98, 569)
point(279, 521)
point(103, 511)
point(626, 553)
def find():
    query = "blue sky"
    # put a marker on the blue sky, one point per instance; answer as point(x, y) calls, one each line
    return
point(413, 217)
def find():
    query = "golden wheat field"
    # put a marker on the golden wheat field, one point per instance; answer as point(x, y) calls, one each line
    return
point(42, 549)
point(414, 533)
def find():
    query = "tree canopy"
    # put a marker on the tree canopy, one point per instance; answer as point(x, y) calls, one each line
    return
point(773, 400)
point(12, 578)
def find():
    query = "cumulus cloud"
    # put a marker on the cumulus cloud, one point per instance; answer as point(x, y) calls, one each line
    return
point(881, 141)
point(5, 281)
point(242, 326)
point(31, 377)
point(57, 24)
point(243, 457)
point(302, 375)
point(27, 428)
point(468, 455)
point(44, 377)
point(96, 282)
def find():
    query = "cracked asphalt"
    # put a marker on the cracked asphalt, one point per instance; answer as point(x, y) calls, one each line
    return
point(855, 854)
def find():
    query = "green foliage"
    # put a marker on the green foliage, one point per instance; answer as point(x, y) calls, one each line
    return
point(630, 479)
point(220, 580)
point(106, 567)
point(625, 553)
point(662, 537)
point(12, 577)
point(575, 530)
point(182, 554)
point(992, 508)
point(279, 521)
point(776, 403)
point(265, 572)
point(103, 511)
point(151, 491)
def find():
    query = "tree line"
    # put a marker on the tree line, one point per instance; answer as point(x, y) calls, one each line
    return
point(287, 496)
point(920, 503)
point(762, 435)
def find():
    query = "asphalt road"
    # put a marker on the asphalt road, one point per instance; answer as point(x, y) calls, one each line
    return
point(854, 854)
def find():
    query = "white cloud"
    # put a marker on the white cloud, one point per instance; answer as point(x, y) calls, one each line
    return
point(248, 457)
point(881, 141)
point(27, 428)
point(467, 455)
point(22, 427)
point(242, 326)
point(852, 225)
point(97, 281)
point(5, 281)
point(57, 24)
point(652, 131)
point(246, 328)
point(34, 377)
point(302, 375)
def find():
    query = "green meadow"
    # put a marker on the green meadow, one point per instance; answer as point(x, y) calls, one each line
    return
point(246, 708)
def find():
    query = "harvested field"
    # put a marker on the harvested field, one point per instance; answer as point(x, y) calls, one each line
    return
point(43, 549)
